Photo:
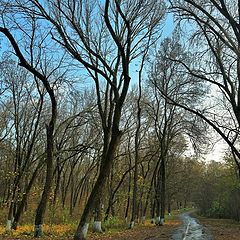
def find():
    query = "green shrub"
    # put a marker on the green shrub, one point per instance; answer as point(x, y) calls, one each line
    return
point(216, 210)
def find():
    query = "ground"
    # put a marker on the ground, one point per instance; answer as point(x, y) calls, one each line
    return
point(220, 229)
point(140, 232)
point(148, 232)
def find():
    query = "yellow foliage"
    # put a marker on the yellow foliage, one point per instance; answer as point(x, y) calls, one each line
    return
point(58, 230)
point(54, 230)
point(2, 230)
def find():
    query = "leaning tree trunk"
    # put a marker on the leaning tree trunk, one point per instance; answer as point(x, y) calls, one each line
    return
point(50, 128)
point(105, 168)
point(49, 176)
point(97, 225)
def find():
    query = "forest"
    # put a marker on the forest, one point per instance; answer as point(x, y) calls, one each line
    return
point(108, 108)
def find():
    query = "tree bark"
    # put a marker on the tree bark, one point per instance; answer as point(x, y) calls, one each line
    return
point(135, 178)
point(163, 192)
point(97, 225)
point(50, 129)
point(24, 199)
point(97, 189)
point(49, 177)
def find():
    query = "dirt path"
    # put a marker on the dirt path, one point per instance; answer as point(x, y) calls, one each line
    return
point(146, 232)
point(191, 229)
point(222, 229)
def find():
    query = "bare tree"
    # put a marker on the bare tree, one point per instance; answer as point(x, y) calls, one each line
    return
point(170, 122)
point(214, 39)
point(21, 94)
point(32, 65)
point(104, 38)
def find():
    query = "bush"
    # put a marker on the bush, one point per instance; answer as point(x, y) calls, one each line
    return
point(233, 205)
point(216, 210)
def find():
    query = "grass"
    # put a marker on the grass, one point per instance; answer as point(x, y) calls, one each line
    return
point(55, 230)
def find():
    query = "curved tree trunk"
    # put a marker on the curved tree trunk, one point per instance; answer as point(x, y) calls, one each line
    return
point(50, 128)
point(48, 181)
point(97, 189)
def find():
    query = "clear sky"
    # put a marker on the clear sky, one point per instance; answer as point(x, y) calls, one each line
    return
point(168, 26)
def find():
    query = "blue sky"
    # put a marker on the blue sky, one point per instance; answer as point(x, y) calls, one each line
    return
point(168, 26)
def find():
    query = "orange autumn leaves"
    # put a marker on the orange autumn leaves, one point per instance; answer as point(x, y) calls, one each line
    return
point(66, 231)
point(49, 230)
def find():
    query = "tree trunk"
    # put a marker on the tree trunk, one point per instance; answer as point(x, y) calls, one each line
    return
point(148, 198)
point(128, 201)
point(50, 128)
point(10, 218)
point(110, 202)
point(163, 192)
point(57, 187)
point(24, 200)
point(158, 196)
point(169, 207)
point(135, 190)
point(157, 219)
point(97, 225)
point(135, 205)
point(84, 222)
point(105, 168)
point(153, 206)
point(48, 182)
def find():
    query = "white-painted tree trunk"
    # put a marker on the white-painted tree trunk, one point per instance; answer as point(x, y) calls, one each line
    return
point(82, 233)
point(157, 221)
point(153, 221)
point(38, 230)
point(97, 227)
point(85, 230)
point(9, 225)
point(143, 219)
point(162, 220)
point(131, 225)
